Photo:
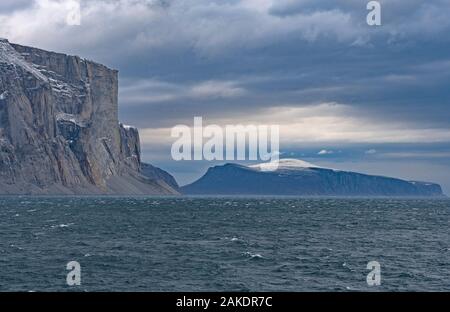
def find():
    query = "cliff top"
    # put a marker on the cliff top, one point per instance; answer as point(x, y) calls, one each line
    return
point(10, 56)
point(16, 46)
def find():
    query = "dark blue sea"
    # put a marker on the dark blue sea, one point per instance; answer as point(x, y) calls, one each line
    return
point(224, 244)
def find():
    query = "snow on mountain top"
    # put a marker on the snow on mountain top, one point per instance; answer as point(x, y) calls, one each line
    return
point(10, 56)
point(286, 163)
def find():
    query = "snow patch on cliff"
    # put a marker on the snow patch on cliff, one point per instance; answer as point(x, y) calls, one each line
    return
point(71, 118)
point(127, 127)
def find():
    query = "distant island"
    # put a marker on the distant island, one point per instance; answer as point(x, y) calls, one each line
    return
point(60, 133)
point(294, 177)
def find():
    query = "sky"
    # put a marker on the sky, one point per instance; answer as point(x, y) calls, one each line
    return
point(373, 99)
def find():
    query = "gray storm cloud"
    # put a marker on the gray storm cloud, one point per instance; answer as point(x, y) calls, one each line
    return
point(231, 60)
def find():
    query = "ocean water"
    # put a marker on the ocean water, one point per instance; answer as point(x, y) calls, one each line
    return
point(224, 244)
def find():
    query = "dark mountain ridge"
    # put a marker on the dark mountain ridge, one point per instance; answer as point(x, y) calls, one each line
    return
point(233, 179)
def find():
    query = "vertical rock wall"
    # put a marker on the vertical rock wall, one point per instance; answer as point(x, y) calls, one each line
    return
point(59, 127)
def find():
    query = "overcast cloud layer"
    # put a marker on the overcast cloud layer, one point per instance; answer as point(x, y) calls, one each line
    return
point(345, 94)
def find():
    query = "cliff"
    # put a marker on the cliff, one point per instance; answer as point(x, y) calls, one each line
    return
point(293, 180)
point(159, 174)
point(59, 128)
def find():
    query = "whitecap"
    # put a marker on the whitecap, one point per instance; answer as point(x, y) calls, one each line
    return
point(62, 225)
point(14, 246)
point(253, 255)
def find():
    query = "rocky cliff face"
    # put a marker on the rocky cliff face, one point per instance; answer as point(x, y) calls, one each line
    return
point(159, 174)
point(59, 128)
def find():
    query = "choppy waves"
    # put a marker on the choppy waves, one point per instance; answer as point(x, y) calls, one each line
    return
point(229, 244)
